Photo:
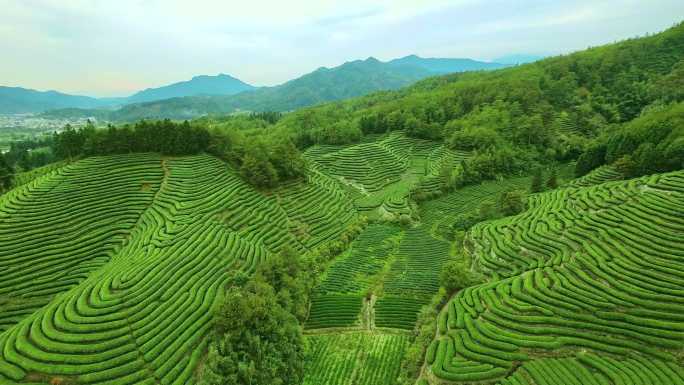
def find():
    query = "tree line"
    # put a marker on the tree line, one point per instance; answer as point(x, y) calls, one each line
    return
point(164, 137)
point(262, 157)
point(652, 143)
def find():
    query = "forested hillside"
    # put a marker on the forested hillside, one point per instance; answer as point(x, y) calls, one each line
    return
point(521, 226)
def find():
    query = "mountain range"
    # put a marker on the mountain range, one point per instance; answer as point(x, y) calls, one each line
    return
point(220, 84)
point(355, 78)
point(224, 94)
point(17, 100)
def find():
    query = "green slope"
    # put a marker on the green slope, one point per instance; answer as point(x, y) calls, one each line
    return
point(126, 256)
point(129, 254)
point(587, 282)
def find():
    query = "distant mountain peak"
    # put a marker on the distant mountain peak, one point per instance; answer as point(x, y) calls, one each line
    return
point(518, 58)
point(439, 66)
point(220, 75)
point(221, 84)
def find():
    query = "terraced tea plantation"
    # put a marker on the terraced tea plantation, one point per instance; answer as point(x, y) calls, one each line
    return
point(355, 358)
point(382, 281)
point(110, 268)
point(586, 287)
point(39, 259)
point(441, 213)
point(380, 175)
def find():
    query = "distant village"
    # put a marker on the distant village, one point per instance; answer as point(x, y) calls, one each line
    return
point(33, 123)
point(20, 127)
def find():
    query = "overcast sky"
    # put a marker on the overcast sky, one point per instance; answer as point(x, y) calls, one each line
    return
point(114, 48)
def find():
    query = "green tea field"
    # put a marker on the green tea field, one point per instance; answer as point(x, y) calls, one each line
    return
point(394, 221)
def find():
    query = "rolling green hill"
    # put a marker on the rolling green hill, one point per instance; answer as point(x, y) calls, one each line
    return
point(443, 236)
point(584, 287)
point(138, 283)
point(124, 288)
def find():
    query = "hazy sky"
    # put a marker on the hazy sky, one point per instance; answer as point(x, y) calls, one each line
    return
point(113, 48)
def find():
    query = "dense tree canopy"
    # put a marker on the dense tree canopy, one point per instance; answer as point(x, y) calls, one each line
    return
point(260, 342)
point(6, 174)
point(263, 157)
point(30, 153)
point(512, 202)
point(258, 337)
point(651, 143)
point(165, 137)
